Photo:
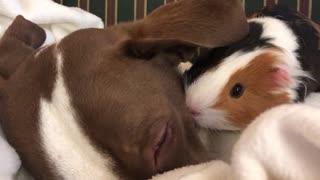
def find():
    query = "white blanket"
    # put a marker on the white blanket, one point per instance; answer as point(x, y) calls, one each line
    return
point(9, 160)
point(281, 144)
point(57, 20)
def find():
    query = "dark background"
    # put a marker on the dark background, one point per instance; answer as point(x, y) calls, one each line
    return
point(115, 11)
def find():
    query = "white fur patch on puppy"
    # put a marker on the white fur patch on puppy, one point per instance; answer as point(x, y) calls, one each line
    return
point(64, 142)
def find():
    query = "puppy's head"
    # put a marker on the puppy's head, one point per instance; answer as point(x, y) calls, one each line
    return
point(122, 88)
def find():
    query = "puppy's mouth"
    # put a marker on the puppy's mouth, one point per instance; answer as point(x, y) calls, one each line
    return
point(163, 139)
point(160, 146)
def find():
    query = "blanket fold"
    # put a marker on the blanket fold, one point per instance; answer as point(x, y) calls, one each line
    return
point(57, 20)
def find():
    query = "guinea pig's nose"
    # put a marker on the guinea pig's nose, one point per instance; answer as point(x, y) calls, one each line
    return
point(193, 111)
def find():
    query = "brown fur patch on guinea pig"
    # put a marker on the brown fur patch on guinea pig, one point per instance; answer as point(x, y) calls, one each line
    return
point(259, 86)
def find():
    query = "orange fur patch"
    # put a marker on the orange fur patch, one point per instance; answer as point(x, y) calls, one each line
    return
point(258, 95)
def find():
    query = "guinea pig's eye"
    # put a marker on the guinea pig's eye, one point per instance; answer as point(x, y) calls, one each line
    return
point(237, 91)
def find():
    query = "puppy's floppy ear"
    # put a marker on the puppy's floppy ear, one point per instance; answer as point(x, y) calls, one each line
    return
point(18, 43)
point(25, 31)
point(190, 23)
point(147, 48)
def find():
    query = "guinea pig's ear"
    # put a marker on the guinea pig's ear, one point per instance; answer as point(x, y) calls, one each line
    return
point(190, 23)
point(280, 77)
point(25, 31)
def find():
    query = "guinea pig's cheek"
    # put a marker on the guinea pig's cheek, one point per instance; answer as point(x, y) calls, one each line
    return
point(235, 117)
point(214, 119)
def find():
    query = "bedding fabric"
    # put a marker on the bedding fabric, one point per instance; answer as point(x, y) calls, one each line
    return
point(117, 11)
point(57, 20)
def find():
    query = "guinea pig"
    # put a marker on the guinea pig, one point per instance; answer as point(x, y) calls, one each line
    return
point(278, 62)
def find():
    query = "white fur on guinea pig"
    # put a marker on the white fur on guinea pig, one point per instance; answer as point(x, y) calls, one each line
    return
point(231, 94)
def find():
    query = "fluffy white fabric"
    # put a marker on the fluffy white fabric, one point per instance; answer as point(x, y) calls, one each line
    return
point(217, 170)
point(9, 160)
point(57, 20)
point(282, 143)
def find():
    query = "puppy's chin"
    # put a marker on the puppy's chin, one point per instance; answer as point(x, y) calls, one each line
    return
point(214, 119)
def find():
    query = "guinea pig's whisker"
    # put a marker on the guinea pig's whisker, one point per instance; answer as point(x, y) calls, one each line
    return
point(305, 90)
point(214, 132)
point(210, 132)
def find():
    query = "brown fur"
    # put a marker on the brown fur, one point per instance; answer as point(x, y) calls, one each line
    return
point(224, 19)
point(22, 43)
point(259, 85)
point(123, 86)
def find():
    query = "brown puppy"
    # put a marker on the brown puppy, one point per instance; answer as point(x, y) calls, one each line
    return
point(109, 104)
